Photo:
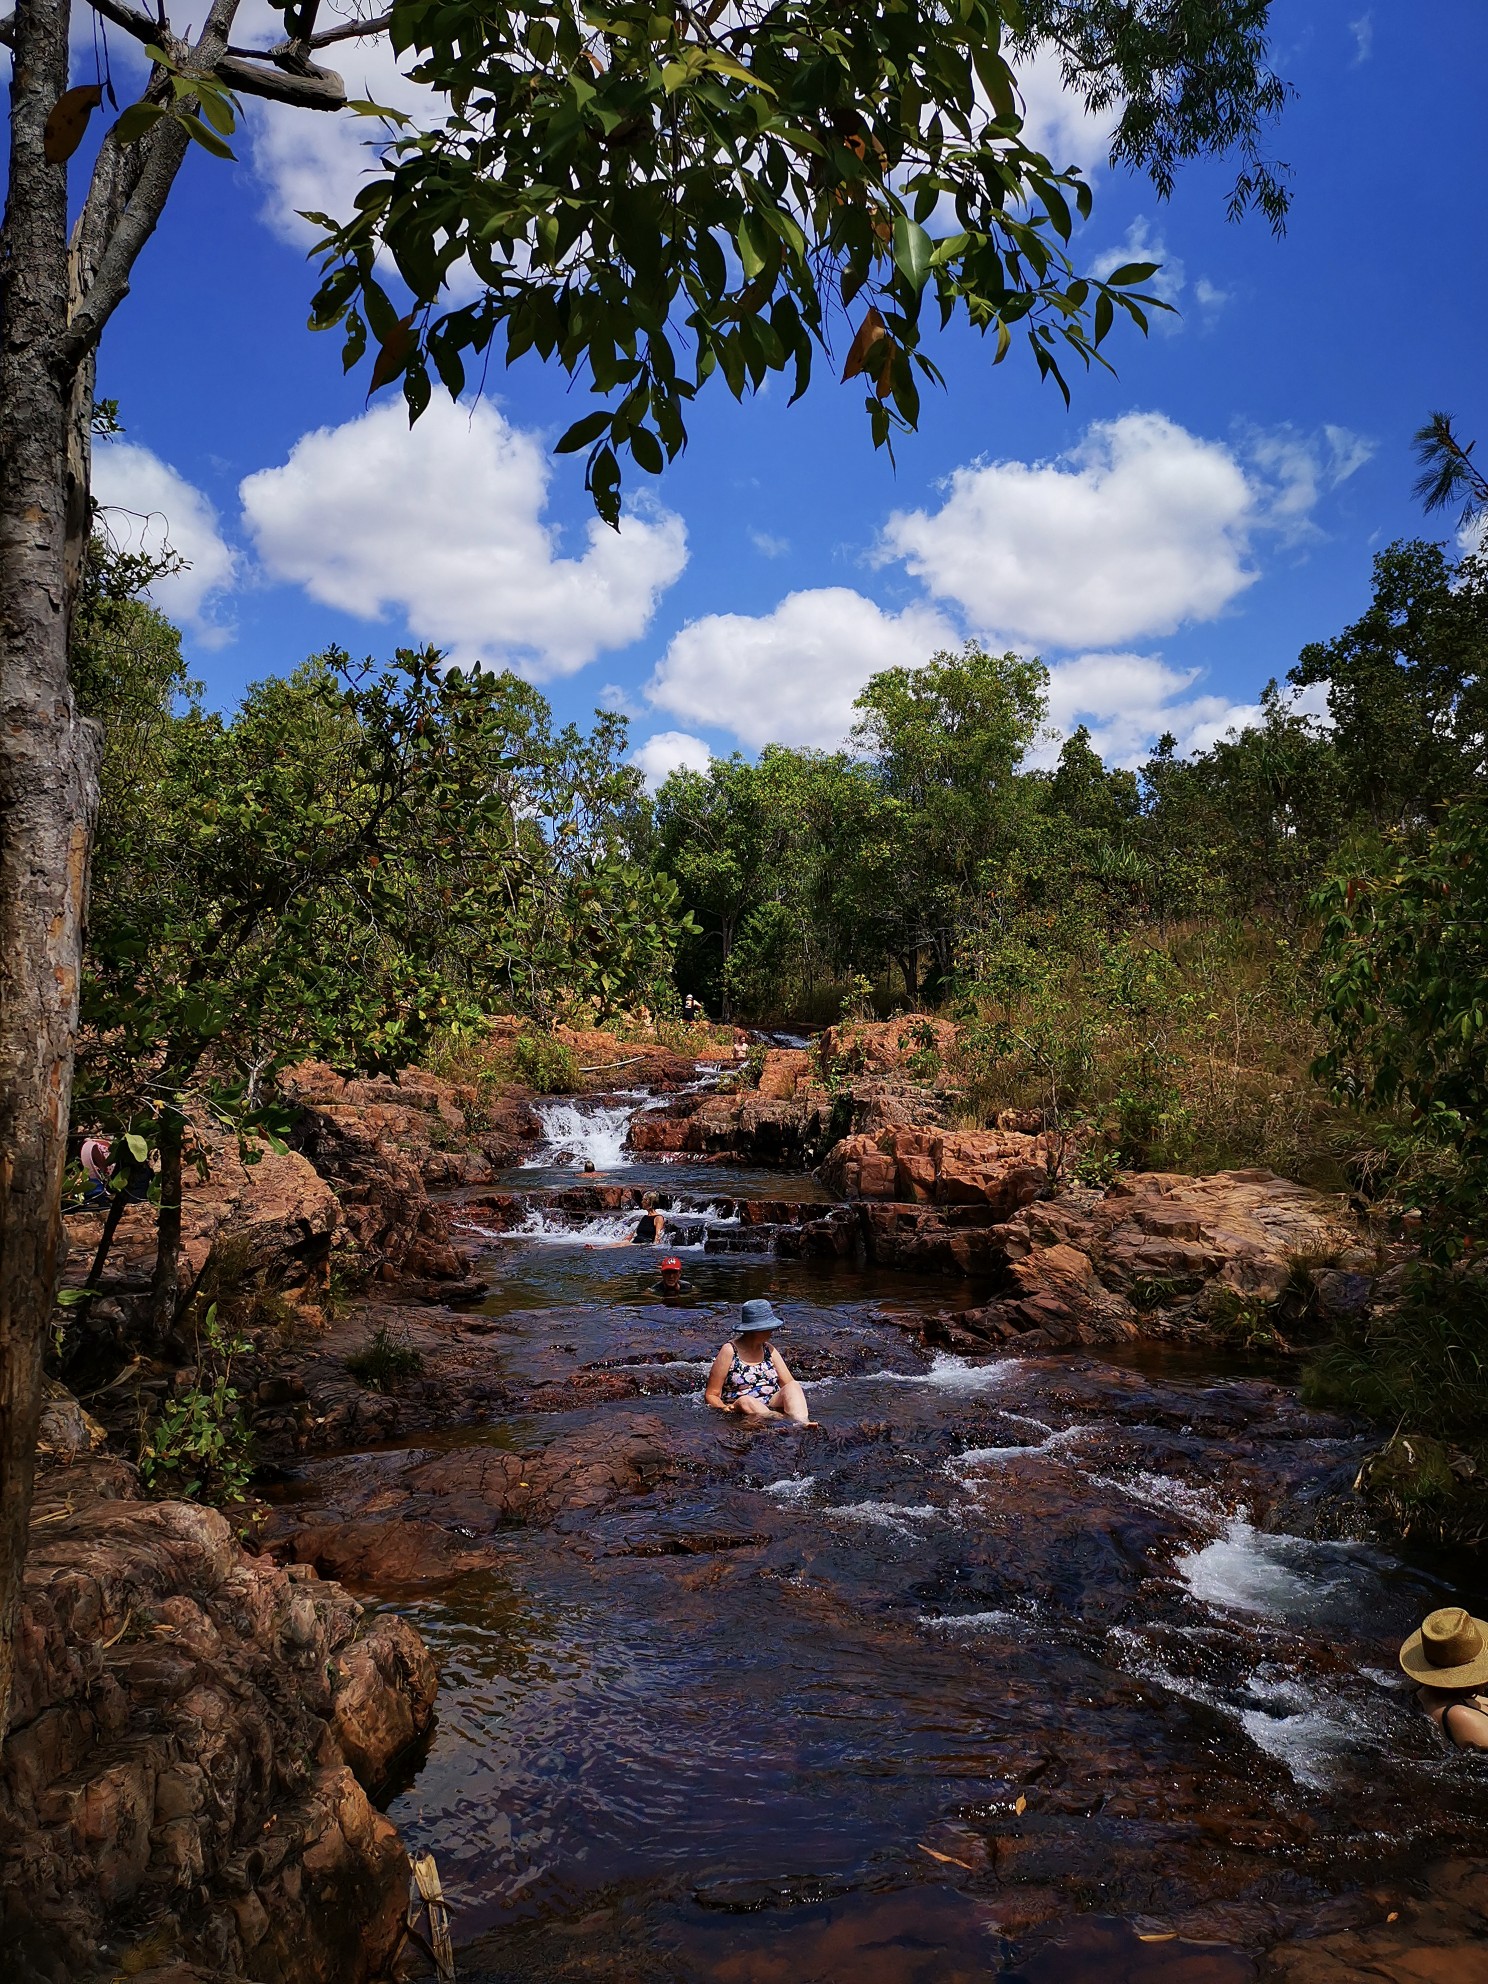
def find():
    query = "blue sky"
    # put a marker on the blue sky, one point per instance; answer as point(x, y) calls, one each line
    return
point(1167, 545)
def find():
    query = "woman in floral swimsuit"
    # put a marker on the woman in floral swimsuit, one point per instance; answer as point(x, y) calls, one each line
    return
point(750, 1377)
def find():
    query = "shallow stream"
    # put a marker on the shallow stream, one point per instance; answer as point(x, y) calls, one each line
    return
point(1035, 1668)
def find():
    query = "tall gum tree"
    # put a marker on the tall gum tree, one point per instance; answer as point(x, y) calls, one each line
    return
point(651, 192)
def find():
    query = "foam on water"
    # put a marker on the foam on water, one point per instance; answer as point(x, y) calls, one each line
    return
point(888, 1515)
point(603, 1230)
point(1296, 1724)
point(1197, 1505)
point(1286, 1578)
point(1055, 1439)
point(994, 1619)
point(584, 1130)
point(795, 1488)
point(947, 1373)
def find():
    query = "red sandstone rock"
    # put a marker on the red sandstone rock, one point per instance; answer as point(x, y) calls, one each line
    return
point(434, 1521)
point(191, 1734)
point(785, 1068)
point(1161, 1253)
point(883, 1047)
point(278, 1214)
point(1000, 1169)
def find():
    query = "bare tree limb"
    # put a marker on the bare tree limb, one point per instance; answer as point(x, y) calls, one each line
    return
point(348, 31)
point(123, 226)
point(130, 19)
point(315, 89)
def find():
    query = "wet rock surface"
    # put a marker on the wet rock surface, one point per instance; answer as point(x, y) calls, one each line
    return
point(1056, 1666)
point(193, 1741)
point(1044, 1666)
point(423, 1519)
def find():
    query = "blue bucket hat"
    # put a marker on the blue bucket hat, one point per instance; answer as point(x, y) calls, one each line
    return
point(757, 1315)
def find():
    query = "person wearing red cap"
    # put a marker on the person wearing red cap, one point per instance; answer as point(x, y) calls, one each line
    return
point(671, 1282)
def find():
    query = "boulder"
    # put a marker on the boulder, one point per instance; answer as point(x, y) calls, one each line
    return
point(1161, 1254)
point(784, 1069)
point(279, 1215)
point(886, 1047)
point(999, 1169)
point(194, 1733)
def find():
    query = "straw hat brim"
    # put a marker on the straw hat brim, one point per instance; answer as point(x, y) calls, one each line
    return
point(1472, 1674)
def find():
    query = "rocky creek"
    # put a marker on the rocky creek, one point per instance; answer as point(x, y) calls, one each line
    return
point(1071, 1666)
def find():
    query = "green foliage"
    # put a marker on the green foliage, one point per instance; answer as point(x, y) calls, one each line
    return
point(357, 861)
point(1405, 998)
point(1421, 1361)
point(547, 1065)
point(653, 197)
point(386, 1359)
point(200, 1447)
point(1408, 687)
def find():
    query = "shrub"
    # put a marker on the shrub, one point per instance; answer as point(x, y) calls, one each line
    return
point(200, 1446)
point(547, 1065)
point(386, 1359)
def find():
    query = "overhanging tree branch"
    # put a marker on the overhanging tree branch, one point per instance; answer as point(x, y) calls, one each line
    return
point(307, 89)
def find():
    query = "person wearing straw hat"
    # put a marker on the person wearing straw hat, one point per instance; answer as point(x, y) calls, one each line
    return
point(1447, 1656)
point(750, 1377)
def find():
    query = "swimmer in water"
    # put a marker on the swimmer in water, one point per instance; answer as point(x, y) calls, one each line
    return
point(671, 1283)
point(1448, 1659)
point(750, 1377)
point(648, 1226)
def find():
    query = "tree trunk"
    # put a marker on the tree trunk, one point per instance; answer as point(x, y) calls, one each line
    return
point(165, 1287)
point(48, 776)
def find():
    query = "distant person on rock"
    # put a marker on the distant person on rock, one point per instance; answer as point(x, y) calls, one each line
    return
point(691, 1011)
point(1448, 1658)
point(648, 1226)
point(671, 1283)
point(751, 1378)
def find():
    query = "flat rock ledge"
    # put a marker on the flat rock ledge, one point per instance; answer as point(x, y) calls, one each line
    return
point(194, 1738)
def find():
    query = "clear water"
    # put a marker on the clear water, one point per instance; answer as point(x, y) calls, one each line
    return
point(1004, 1666)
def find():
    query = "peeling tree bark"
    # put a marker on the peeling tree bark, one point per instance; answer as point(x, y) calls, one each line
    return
point(48, 775)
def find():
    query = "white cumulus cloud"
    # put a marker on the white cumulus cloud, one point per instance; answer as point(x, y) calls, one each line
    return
point(1142, 245)
point(1127, 701)
point(1142, 527)
point(148, 507)
point(442, 523)
point(315, 161)
point(1055, 120)
point(790, 676)
point(670, 751)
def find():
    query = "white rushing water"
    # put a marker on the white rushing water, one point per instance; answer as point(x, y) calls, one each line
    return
point(576, 1131)
point(683, 1232)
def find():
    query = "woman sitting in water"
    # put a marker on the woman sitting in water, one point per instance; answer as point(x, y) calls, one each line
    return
point(750, 1377)
point(1448, 1656)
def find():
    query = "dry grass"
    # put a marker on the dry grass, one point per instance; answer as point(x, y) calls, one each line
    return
point(1186, 1049)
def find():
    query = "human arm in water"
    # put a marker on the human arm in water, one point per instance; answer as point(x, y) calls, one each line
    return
point(1460, 1719)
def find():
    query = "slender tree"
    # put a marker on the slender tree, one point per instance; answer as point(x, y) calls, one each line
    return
point(652, 194)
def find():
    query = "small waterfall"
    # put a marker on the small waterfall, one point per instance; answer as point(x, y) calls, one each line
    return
point(574, 1131)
